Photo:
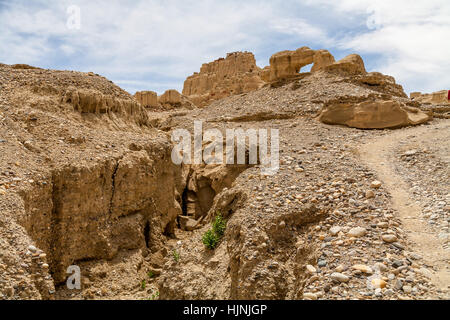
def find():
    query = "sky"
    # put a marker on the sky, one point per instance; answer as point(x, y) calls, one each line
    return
point(156, 44)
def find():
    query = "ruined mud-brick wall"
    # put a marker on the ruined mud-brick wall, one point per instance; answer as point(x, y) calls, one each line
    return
point(147, 98)
point(170, 99)
point(236, 74)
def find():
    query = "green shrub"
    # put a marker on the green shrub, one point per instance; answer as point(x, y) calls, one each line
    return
point(154, 296)
point(219, 225)
point(176, 256)
point(212, 237)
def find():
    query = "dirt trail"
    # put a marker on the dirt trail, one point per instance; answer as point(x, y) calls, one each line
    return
point(379, 154)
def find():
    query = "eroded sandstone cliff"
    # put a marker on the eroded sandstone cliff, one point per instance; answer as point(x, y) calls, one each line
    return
point(90, 180)
point(235, 74)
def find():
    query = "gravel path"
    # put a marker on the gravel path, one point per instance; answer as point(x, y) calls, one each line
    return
point(384, 155)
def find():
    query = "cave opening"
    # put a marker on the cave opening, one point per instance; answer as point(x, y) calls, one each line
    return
point(184, 202)
point(147, 234)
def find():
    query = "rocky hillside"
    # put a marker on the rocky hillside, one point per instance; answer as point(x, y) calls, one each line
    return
point(83, 178)
point(87, 179)
point(324, 227)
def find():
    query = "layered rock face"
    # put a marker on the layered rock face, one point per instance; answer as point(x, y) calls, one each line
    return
point(93, 212)
point(439, 97)
point(147, 99)
point(93, 101)
point(93, 187)
point(235, 74)
point(86, 93)
point(371, 114)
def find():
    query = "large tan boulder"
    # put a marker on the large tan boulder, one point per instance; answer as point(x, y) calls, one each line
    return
point(322, 59)
point(350, 65)
point(147, 98)
point(235, 74)
point(375, 114)
point(286, 65)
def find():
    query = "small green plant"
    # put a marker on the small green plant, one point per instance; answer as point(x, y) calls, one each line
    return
point(176, 255)
point(143, 284)
point(154, 296)
point(212, 237)
point(219, 225)
point(150, 274)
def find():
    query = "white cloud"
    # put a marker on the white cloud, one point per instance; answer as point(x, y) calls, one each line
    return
point(411, 39)
point(301, 28)
point(160, 42)
point(167, 38)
